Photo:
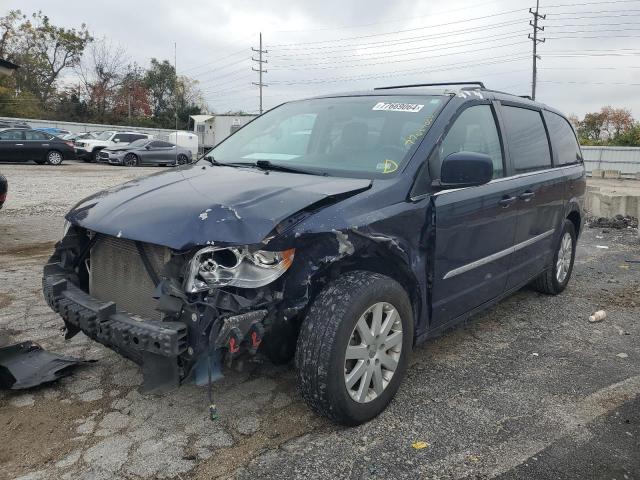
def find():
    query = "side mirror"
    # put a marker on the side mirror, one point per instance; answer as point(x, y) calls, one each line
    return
point(116, 140)
point(465, 169)
point(147, 147)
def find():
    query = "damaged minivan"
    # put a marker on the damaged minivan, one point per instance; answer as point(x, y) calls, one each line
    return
point(341, 231)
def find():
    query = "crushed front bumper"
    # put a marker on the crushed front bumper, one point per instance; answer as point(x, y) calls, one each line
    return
point(153, 344)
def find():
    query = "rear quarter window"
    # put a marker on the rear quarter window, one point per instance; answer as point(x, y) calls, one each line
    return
point(563, 139)
point(526, 139)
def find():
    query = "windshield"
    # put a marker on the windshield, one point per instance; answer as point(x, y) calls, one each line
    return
point(368, 136)
point(104, 136)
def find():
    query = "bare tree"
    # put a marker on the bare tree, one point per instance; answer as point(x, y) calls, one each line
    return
point(101, 74)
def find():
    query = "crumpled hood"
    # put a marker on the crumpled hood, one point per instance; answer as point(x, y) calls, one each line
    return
point(197, 205)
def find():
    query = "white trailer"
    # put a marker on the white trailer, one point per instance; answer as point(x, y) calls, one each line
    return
point(212, 129)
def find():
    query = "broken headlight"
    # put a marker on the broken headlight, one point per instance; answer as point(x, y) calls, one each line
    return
point(213, 267)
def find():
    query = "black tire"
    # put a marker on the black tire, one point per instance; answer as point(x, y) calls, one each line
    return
point(40, 162)
point(54, 157)
point(548, 281)
point(182, 159)
point(130, 160)
point(94, 155)
point(325, 335)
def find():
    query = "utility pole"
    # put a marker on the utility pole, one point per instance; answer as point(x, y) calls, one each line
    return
point(260, 70)
point(534, 38)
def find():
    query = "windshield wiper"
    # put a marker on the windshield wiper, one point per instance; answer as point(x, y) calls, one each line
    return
point(267, 165)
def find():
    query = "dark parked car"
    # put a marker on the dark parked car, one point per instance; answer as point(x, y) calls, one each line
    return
point(13, 124)
point(4, 188)
point(345, 228)
point(22, 145)
point(145, 152)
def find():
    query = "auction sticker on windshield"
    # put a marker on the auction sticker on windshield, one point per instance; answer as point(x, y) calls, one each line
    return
point(398, 107)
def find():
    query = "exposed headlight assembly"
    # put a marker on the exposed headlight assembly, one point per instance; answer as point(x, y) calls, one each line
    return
point(213, 267)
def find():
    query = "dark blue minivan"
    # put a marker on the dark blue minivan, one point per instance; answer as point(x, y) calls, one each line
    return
point(340, 230)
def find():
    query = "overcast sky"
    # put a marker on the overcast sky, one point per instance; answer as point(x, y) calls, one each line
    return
point(591, 56)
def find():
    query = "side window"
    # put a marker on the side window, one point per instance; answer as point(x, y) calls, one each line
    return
point(11, 135)
point(563, 139)
point(159, 144)
point(33, 135)
point(123, 138)
point(527, 139)
point(133, 137)
point(473, 131)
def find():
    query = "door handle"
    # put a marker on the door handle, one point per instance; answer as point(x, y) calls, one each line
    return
point(507, 201)
point(526, 196)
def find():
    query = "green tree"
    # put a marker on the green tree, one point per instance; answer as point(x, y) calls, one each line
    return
point(42, 50)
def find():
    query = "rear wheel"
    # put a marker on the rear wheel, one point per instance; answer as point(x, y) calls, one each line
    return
point(130, 160)
point(94, 155)
point(556, 277)
point(354, 346)
point(54, 157)
point(182, 159)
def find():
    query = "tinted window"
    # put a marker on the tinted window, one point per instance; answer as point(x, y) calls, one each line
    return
point(33, 135)
point(527, 139)
point(473, 131)
point(11, 135)
point(159, 144)
point(133, 137)
point(122, 138)
point(563, 139)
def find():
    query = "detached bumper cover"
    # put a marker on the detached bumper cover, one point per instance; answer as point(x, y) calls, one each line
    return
point(153, 344)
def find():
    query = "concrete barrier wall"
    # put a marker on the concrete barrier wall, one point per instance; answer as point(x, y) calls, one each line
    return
point(78, 127)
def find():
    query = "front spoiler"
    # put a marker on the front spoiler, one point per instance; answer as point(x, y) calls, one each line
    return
point(155, 345)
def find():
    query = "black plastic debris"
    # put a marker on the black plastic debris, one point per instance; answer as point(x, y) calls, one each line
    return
point(27, 365)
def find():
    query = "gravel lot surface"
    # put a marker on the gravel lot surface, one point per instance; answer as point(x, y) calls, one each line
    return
point(528, 389)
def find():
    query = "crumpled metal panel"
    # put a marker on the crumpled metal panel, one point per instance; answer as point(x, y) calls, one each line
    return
point(27, 365)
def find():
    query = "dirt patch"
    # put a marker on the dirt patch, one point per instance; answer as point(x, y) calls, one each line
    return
point(279, 428)
point(628, 296)
point(6, 299)
point(32, 437)
point(39, 249)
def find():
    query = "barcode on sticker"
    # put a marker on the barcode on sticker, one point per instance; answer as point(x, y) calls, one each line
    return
point(398, 107)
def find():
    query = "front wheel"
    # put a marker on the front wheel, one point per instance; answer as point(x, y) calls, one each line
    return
point(130, 160)
point(54, 157)
point(354, 346)
point(556, 277)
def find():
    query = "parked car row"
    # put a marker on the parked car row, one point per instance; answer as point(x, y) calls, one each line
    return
point(18, 144)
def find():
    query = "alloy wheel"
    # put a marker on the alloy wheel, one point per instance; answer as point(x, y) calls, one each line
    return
point(565, 253)
point(130, 160)
point(54, 158)
point(373, 352)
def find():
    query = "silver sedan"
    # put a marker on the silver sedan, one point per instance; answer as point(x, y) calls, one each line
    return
point(146, 152)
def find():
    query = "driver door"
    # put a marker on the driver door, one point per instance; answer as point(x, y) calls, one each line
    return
point(474, 226)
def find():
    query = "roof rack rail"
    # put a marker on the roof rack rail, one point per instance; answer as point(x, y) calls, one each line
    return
point(440, 84)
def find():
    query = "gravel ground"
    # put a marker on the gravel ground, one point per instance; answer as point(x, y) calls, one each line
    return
point(529, 389)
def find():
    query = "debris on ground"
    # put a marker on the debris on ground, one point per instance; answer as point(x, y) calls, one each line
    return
point(419, 445)
point(618, 222)
point(598, 316)
point(604, 247)
point(27, 365)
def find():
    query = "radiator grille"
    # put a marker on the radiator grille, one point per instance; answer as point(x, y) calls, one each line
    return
point(118, 274)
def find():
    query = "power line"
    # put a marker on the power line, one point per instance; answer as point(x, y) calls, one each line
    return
point(481, 28)
point(242, 50)
point(333, 65)
point(398, 31)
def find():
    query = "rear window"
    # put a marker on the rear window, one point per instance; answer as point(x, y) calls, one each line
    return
point(563, 139)
point(526, 139)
